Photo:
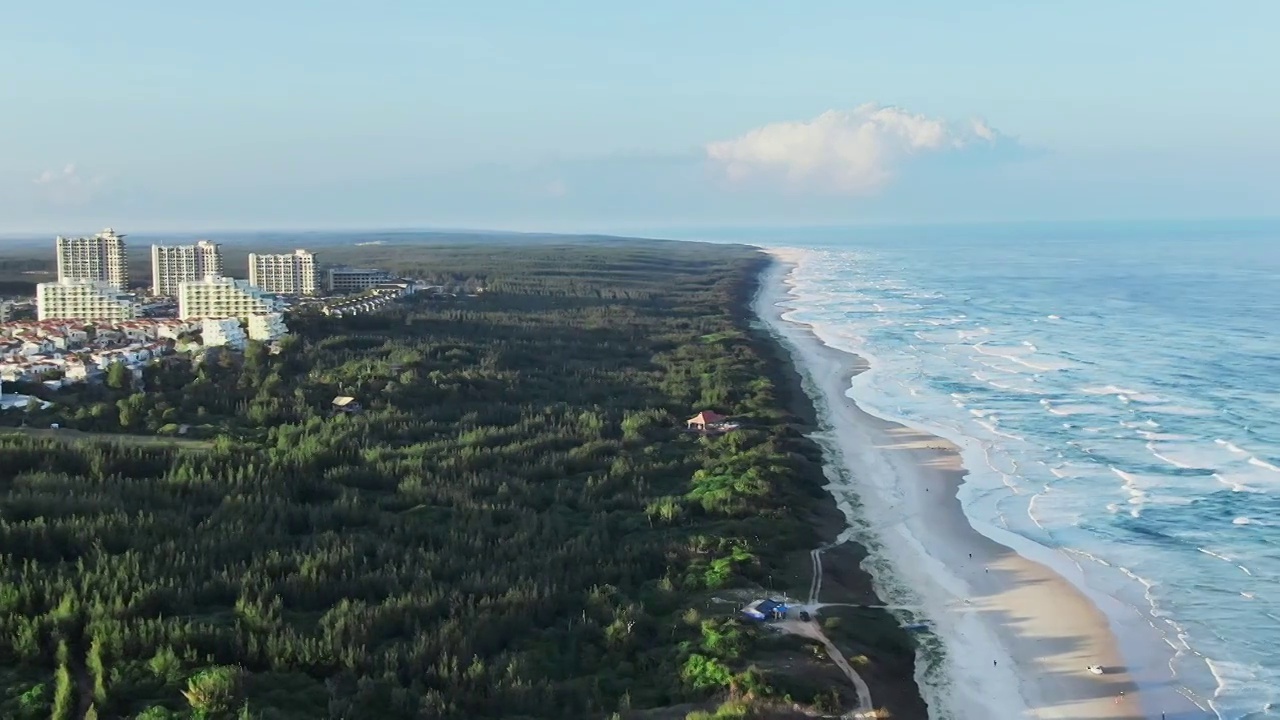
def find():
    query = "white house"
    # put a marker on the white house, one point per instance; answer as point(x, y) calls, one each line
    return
point(37, 347)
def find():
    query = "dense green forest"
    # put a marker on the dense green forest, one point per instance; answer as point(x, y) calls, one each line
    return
point(515, 525)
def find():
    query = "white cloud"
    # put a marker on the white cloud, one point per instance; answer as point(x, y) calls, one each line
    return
point(68, 185)
point(853, 152)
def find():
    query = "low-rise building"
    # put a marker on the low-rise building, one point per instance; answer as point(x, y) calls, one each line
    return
point(30, 349)
point(346, 404)
point(220, 297)
point(367, 302)
point(83, 300)
point(218, 332)
point(267, 327)
point(349, 279)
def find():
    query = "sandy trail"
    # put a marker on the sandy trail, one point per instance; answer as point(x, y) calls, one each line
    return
point(865, 709)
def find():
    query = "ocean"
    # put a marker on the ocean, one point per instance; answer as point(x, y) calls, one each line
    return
point(1119, 387)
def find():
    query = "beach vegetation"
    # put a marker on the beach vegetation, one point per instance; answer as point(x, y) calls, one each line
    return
point(729, 710)
point(701, 671)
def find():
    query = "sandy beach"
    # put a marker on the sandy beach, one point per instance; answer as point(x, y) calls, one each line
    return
point(1018, 636)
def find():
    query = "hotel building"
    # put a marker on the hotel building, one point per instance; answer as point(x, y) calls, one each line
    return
point(355, 279)
point(172, 265)
point(267, 327)
point(288, 274)
point(216, 332)
point(84, 300)
point(220, 297)
point(100, 258)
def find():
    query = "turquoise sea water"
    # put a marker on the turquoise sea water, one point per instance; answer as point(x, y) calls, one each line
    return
point(1124, 384)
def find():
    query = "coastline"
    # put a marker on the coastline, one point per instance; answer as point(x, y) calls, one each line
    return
point(1016, 636)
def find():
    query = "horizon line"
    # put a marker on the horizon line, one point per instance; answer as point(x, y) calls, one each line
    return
point(619, 230)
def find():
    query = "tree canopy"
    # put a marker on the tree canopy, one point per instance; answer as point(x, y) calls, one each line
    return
point(515, 525)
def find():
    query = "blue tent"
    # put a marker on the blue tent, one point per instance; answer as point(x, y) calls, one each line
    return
point(765, 610)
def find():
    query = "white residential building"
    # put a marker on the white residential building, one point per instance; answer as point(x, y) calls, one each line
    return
point(223, 331)
point(6, 310)
point(267, 327)
point(220, 297)
point(84, 300)
point(172, 265)
point(348, 279)
point(288, 274)
point(100, 258)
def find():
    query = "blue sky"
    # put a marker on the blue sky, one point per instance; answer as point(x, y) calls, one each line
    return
point(587, 115)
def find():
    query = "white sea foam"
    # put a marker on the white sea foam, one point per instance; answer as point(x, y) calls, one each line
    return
point(1137, 495)
point(1073, 409)
point(1041, 450)
point(1263, 464)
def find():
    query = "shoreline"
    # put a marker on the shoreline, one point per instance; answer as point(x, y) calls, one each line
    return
point(1016, 635)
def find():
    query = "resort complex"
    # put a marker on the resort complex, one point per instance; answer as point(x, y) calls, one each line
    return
point(93, 283)
point(88, 319)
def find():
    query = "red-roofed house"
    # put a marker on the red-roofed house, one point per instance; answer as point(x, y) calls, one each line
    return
point(705, 421)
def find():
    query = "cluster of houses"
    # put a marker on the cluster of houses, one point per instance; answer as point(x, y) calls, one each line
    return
point(60, 352)
point(74, 351)
point(372, 300)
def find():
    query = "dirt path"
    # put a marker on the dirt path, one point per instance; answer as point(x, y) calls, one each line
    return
point(811, 629)
point(68, 435)
point(865, 710)
point(815, 585)
point(84, 684)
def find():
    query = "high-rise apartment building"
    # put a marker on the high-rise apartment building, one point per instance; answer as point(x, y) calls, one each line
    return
point(84, 300)
point(220, 297)
point(172, 265)
point(101, 258)
point(288, 273)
